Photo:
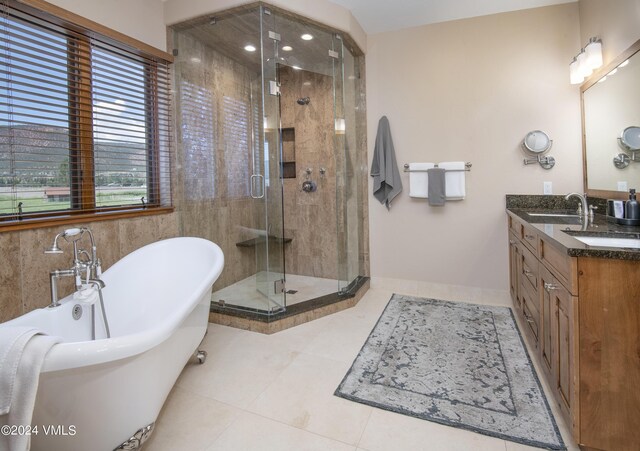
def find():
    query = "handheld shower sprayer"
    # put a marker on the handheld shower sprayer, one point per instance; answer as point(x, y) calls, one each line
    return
point(66, 234)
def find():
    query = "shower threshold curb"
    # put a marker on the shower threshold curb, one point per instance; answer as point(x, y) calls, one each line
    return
point(294, 315)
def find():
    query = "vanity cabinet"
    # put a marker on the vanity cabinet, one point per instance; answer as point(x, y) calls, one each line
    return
point(547, 309)
point(580, 317)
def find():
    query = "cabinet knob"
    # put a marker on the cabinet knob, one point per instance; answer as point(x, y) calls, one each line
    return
point(550, 286)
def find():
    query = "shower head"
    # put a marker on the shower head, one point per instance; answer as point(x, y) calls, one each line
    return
point(303, 101)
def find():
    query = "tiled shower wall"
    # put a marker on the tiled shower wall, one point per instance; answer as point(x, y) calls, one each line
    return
point(329, 227)
point(310, 219)
point(24, 272)
point(216, 104)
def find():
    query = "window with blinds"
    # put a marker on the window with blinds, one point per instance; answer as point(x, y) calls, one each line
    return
point(84, 121)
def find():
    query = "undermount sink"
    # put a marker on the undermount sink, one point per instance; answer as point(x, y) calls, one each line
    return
point(605, 241)
point(554, 218)
point(553, 215)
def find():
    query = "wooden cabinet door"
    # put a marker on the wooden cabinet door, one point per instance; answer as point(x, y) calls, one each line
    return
point(564, 315)
point(547, 313)
point(561, 340)
point(514, 258)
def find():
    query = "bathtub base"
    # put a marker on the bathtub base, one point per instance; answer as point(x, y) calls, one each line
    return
point(137, 440)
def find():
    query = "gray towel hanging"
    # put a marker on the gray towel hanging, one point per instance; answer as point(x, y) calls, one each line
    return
point(436, 186)
point(384, 168)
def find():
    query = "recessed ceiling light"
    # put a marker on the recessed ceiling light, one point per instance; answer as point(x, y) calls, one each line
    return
point(196, 60)
point(624, 64)
point(307, 83)
point(296, 67)
point(249, 48)
point(307, 37)
point(287, 48)
point(613, 71)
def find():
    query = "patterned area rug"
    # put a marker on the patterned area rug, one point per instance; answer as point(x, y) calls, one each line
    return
point(457, 364)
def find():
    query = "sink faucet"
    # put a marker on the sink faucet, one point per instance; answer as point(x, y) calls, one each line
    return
point(83, 261)
point(583, 206)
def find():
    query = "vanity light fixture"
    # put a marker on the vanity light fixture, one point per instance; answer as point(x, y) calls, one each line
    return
point(594, 53)
point(585, 62)
point(250, 48)
point(574, 72)
point(306, 37)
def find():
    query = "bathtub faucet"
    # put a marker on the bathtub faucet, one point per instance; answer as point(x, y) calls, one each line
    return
point(83, 261)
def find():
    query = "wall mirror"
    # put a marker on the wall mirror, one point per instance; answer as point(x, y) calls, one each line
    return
point(610, 126)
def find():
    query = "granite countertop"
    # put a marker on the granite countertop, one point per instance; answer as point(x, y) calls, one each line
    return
point(559, 231)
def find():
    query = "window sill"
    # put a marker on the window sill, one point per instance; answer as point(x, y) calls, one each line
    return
point(54, 221)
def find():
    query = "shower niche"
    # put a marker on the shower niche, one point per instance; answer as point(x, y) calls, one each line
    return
point(266, 100)
point(288, 137)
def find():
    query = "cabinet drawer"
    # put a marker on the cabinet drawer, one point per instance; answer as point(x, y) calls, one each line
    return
point(529, 269)
point(515, 226)
point(560, 264)
point(531, 315)
point(529, 237)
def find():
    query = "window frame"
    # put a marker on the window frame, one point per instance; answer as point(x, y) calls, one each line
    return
point(81, 140)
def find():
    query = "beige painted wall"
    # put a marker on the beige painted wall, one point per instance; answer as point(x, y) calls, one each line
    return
point(617, 23)
point(140, 19)
point(470, 90)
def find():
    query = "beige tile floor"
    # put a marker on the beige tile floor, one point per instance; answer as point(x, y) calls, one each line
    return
point(275, 392)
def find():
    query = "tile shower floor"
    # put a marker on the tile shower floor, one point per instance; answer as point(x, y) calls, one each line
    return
point(245, 293)
point(275, 392)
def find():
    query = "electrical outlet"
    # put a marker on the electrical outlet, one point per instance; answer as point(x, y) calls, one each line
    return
point(548, 188)
point(622, 186)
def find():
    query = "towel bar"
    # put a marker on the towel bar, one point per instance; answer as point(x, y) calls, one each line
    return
point(467, 167)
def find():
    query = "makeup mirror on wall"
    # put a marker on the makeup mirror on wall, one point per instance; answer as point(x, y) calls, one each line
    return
point(610, 115)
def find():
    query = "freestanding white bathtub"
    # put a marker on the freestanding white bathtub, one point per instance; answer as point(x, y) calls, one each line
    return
point(100, 393)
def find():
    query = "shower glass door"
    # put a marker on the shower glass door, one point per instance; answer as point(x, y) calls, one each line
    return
point(266, 181)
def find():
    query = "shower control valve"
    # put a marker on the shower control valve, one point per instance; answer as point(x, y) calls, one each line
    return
point(309, 186)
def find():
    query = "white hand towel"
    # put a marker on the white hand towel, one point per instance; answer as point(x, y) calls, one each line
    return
point(419, 181)
point(22, 352)
point(454, 179)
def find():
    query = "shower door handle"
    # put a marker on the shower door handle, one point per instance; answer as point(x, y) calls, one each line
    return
point(253, 184)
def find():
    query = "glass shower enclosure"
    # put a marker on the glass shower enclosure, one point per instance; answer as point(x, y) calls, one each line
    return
point(269, 118)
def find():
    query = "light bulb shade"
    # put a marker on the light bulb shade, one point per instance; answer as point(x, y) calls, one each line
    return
point(583, 67)
point(593, 52)
point(574, 73)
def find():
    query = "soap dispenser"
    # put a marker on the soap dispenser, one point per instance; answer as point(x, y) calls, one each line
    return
point(632, 207)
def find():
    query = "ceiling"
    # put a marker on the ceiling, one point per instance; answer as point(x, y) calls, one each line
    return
point(377, 16)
